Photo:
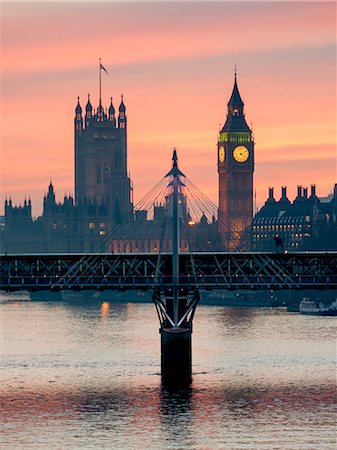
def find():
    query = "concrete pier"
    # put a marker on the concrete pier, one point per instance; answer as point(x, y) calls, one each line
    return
point(176, 356)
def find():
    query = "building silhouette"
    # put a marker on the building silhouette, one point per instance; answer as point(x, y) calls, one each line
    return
point(102, 218)
point(307, 223)
point(101, 159)
point(235, 169)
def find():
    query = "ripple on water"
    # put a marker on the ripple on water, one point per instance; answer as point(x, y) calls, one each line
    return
point(75, 378)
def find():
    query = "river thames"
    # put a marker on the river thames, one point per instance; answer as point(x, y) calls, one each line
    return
point(87, 375)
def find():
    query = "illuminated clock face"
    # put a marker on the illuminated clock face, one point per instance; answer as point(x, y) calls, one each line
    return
point(221, 154)
point(241, 153)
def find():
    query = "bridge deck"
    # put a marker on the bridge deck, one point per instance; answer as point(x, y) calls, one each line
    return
point(309, 270)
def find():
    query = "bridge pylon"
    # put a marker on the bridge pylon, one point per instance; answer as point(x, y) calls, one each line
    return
point(176, 337)
point(176, 306)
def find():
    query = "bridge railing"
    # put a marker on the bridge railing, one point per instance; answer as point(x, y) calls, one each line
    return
point(141, 282)
point(145, 271)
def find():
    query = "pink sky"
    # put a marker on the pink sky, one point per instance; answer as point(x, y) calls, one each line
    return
point(174, 64)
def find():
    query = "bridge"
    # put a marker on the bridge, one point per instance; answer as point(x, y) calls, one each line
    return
point(209, 271)
point(174, 277)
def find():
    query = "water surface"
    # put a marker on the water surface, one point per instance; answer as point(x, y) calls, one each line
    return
point(88, 376)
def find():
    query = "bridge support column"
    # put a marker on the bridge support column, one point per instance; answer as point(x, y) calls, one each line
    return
point(176, 335)
point(176, 356)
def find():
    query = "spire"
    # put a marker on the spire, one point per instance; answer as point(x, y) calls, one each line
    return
point(88, 107)
point(235, 121)
point(175, 158)
point(174, 171)
point(88, 112)
point(203, 219)
point(235, 100)
point(100, 112)
point(111, 107)
point(78, 109)
point(111, 113)
point(122, 106)
point(78, 116)
point(122, 116)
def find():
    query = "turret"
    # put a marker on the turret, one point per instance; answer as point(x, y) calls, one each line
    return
point(121, 116)
point(88, 112)
point(203, 220)
point(49, 199)
point(100, 113)
point(78, 121)
point(111, 112)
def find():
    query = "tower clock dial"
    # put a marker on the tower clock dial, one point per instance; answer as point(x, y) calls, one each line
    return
point(240, 153)
point(221, 154)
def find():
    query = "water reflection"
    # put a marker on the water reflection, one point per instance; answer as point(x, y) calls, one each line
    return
point(237, 318)
point(184, 416)
point(90, 372)
point(105, 310)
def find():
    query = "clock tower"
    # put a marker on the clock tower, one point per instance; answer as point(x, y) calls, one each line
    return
point(235, 168)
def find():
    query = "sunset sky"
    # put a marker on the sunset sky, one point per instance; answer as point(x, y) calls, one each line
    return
point(174, 64)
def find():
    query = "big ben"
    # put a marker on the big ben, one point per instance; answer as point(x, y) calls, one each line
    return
point(235, 168)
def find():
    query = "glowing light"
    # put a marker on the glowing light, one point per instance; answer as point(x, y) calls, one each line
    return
point(105, 310)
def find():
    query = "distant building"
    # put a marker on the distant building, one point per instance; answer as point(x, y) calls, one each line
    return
point(101, 218)
point(308, 223)
point(101, 159)
point(102, 192)
point(235, 168)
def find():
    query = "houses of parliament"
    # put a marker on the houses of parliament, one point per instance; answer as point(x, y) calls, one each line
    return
point(102, 217)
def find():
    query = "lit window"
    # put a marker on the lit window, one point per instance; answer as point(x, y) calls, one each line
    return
point(91, 225)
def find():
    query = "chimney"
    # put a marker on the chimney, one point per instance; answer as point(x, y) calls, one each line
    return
point(299, 191)
point(305, 192)
point(335, 191)
point(284, 191)
point(270, 199)
point(313, 190)
point(284, 200)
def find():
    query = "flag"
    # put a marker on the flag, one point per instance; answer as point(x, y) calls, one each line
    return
point(102, 67)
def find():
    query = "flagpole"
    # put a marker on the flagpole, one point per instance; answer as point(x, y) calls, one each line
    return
point(100, 83)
